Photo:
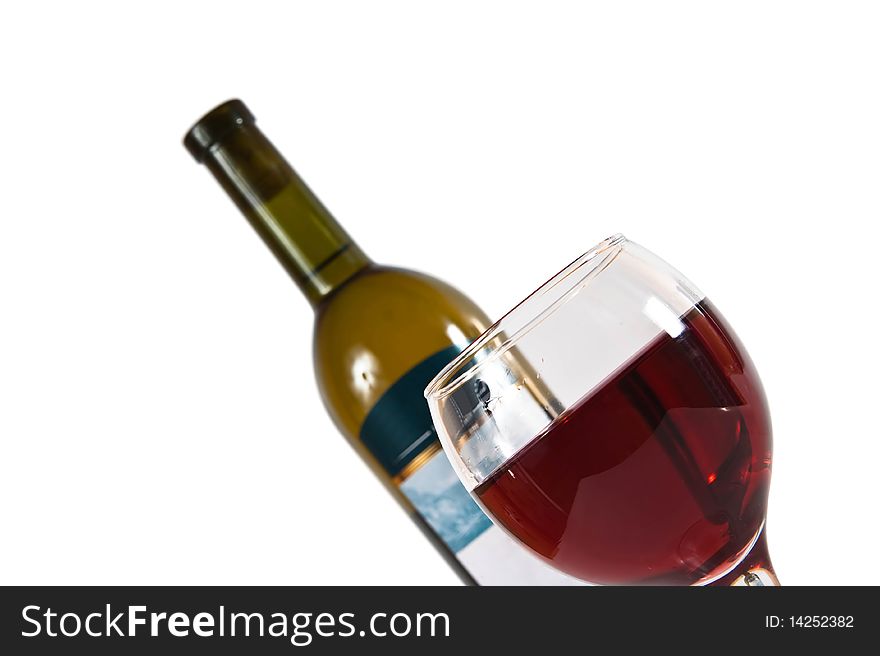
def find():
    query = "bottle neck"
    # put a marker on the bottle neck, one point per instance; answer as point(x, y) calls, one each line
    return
point(313, 248)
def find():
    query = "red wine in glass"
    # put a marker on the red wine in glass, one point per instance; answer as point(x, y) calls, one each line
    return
point(658, 476)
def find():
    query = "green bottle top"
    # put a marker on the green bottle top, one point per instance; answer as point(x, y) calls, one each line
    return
point(313, 248)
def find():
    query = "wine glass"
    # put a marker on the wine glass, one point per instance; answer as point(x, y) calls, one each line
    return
point(613, 424)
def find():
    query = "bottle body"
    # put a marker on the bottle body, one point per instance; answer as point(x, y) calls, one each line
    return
point(378, 341)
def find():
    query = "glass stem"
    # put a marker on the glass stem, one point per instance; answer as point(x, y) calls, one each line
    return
point(755, 570)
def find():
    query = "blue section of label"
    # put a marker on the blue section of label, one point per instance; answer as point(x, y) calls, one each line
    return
point(398, 429)
point(441, 499)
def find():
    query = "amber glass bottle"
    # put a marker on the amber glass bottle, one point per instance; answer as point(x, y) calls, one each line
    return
point(381, 333)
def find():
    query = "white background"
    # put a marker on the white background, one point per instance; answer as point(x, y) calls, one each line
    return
point(158, 415)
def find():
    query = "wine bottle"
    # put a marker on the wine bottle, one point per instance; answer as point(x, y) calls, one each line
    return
point(380, 335)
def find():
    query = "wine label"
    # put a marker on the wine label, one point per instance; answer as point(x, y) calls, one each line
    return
point(398, 431)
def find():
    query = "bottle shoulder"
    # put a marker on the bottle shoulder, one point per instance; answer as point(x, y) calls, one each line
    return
point(380, 325)
point(395, 298)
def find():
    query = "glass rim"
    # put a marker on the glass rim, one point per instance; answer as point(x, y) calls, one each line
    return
point(577, 274)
